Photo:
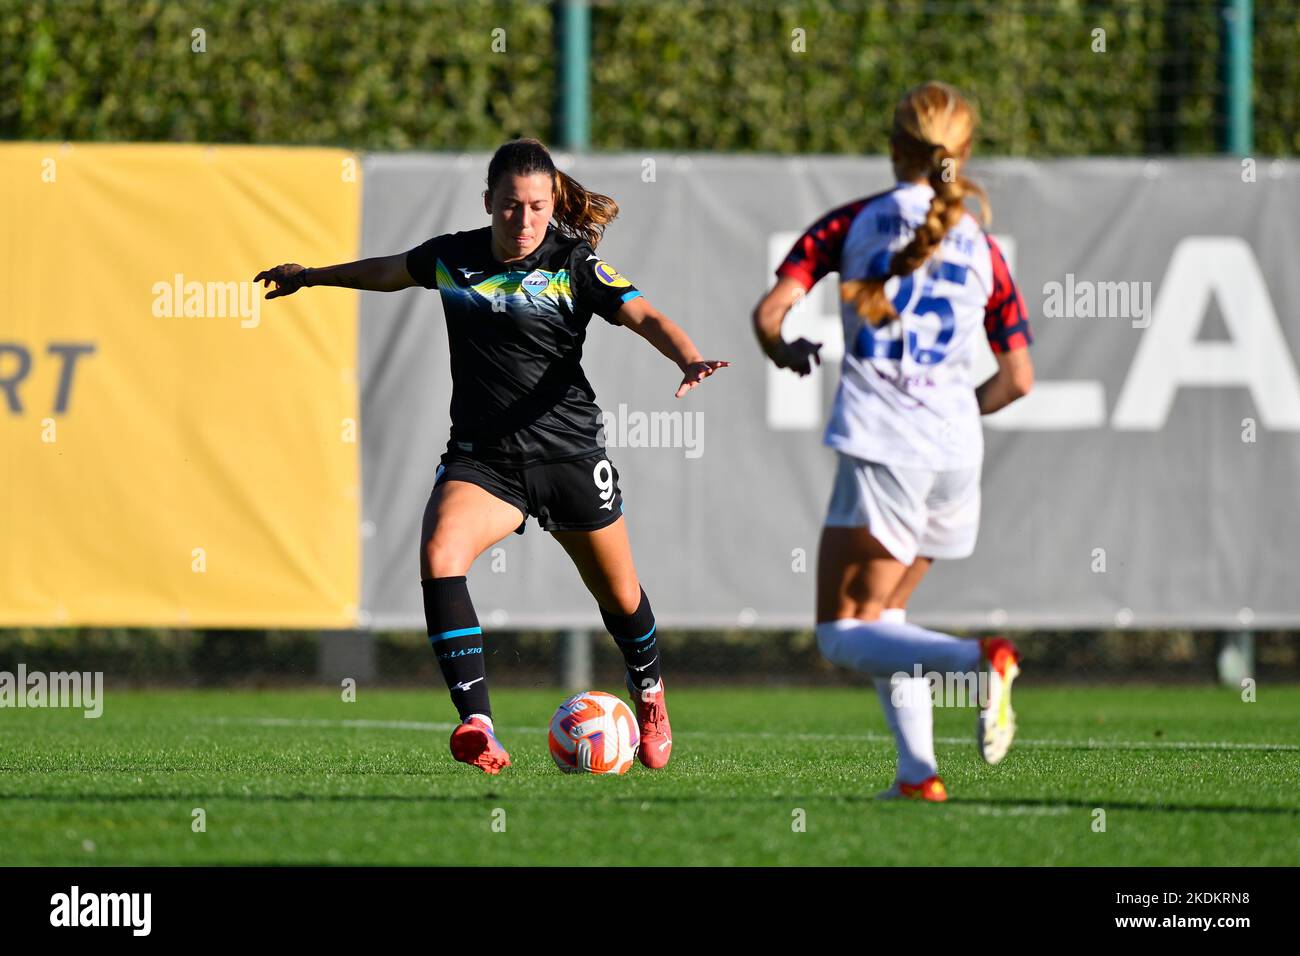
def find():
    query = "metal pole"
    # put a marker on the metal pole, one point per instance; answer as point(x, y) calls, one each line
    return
point(574, 660)
point(1238, 35)
point(573, 31)
point(1236, 658)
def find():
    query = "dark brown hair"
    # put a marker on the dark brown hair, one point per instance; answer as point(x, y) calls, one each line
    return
point(579, 212)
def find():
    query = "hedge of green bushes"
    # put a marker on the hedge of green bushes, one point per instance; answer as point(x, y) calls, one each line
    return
point(798, 75)
point(374, 75)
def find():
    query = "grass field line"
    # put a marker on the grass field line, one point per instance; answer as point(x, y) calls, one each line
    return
point(1016, 811)
point(1090, 743)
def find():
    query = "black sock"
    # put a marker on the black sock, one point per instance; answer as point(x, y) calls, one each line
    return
point(635, 636)
point(457, 639)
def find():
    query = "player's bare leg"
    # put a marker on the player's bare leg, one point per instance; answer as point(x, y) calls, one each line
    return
point(911, 578)
point(856, 576)
point(604, 561)
point(461, 521)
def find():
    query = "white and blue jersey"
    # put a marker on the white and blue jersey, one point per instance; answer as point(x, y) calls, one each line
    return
point(906, 397)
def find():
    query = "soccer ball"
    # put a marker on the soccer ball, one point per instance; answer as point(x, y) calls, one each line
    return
point(594, 732)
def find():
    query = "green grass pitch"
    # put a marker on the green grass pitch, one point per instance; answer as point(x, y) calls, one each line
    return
point(1186, 776)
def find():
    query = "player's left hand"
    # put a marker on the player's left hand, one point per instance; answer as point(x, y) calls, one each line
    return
point(697, 372)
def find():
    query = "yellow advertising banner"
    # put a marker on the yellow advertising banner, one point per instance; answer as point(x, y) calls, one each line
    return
point(174, 449)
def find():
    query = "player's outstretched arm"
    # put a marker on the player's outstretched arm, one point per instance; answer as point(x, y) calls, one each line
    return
point(1013, 379)
point(799, 355)
point(380, 274)
point(670, 339)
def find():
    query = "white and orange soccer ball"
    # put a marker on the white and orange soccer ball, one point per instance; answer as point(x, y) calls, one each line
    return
point(594, 732)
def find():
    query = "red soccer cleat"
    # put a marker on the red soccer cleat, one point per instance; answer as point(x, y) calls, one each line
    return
point(474, 743)
point(930, 790)
point(652, 715)
point(996, 727)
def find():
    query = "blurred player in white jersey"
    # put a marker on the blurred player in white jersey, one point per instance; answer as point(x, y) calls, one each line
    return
point(920, 282)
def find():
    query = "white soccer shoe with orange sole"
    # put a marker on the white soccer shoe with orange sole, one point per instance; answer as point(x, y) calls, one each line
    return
point(996, 727)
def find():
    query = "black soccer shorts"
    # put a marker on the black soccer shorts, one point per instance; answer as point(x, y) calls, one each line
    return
point(578, 495)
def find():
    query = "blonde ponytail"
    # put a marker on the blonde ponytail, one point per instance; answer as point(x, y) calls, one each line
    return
point(933, 127)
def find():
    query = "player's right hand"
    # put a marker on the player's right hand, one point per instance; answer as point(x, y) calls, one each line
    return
point(798, 356)
point(288, 279)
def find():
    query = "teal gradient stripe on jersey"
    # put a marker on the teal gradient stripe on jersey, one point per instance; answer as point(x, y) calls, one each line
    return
point(558, 288)
point(458, 632)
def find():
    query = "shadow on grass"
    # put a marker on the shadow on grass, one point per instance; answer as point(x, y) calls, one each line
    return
point(1008, 805)
point(1090, 805)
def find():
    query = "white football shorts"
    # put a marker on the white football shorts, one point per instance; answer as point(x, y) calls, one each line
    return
point(911, 511)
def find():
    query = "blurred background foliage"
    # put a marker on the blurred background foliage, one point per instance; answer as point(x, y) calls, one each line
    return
point(666, 74)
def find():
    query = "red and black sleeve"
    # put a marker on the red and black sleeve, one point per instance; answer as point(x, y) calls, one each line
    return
point(817, 252)
point(1005, 320)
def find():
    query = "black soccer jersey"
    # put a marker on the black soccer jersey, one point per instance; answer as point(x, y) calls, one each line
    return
point(519, 395)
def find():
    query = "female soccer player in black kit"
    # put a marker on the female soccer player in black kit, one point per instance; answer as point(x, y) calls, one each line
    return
point(524, 436)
